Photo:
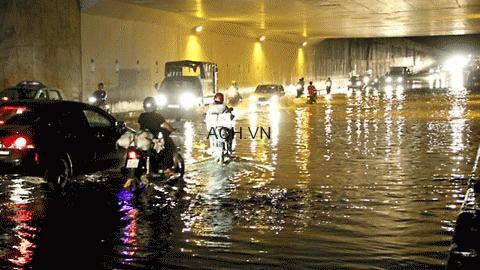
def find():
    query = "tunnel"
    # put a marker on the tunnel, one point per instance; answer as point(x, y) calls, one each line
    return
point(239, 134)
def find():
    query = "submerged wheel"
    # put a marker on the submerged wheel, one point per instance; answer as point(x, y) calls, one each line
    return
point(58, 173)
point(179, 164)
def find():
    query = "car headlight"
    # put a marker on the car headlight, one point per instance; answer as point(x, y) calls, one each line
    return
point(274, 99)
point(388, 79)
point(161, 100)
point(92, 99)
point(399, 79)
point(253, 98)
point(188, 100)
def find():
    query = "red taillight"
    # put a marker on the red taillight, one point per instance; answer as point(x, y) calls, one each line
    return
point(132, 155)
point(19, 142)
point(18, 109)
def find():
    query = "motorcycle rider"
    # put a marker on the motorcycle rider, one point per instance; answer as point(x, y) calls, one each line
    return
point(312, 92)
point(233, 92)
point(328, 83)
point(154, 122)
point(300, 87)
point(100, 94)
point(218, 107)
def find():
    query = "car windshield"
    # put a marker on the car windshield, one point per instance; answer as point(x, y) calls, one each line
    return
point(268, 89)
point(18, 93)
point(17, 115)
point(178, 85)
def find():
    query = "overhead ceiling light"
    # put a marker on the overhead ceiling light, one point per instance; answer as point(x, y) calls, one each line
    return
point(261, 38)
point(198, 29)
point(304, 44)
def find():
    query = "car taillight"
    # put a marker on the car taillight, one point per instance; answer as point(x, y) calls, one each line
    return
point(132, 155)
point(19, 142)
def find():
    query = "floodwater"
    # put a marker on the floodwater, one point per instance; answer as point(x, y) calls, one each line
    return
point(359, 181)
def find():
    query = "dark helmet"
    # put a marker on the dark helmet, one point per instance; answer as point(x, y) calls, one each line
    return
point(310, 83)
point(149, 104)
point(219, 98)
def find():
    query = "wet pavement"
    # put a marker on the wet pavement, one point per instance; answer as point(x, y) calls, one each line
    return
point(360, 181)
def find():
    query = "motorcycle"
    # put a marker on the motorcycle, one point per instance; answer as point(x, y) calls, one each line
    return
point(312, 99)
point(221, 137)
point(99, 102)
point(234, 97)
point(146, 157)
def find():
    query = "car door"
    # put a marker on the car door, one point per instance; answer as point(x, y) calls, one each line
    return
point(66, 132)
point(105, 135)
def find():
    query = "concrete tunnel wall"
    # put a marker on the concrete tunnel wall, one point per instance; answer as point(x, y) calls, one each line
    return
point(336, 58)
point(124, 49)
point(40, 40)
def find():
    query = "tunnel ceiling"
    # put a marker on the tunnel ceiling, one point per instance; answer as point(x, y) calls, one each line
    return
point(335, 18)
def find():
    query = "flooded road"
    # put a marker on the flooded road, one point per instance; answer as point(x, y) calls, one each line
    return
point(360, 181)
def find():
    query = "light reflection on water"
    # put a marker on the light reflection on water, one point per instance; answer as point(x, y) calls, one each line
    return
point(357, 181)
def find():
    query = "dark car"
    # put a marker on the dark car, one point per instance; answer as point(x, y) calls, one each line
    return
point(57, 139)
point(30, 90)
point(267, 94)
point(355, 82)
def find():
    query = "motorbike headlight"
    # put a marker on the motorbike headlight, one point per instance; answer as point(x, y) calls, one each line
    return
point(161, 100)
point(253, 98)
point(359, 83)
point(399, 79)
point(388, 79)
point(349, 83)
point(274, 99)
point(188, 100)
point(92, 99)
point(231, 93)
point(376, 80)
point(366, 80)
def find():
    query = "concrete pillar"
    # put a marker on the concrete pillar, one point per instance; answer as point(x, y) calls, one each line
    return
point(40, 40)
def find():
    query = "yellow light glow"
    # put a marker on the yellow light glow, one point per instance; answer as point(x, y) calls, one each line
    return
point(199, 9)
point(193, 49)
point(300, 62)
point(304, 44)
point(262, 38)
point(258, 60)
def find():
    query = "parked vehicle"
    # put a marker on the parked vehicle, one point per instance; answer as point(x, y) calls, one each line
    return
point(146, 156)
point(57, 139)
point(30, 90)
point(267, 94)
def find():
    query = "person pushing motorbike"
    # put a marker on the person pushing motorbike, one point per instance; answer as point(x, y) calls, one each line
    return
point(312, 93)
point(300, 87)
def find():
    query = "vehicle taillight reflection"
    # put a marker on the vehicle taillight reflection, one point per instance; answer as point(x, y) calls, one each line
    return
point(18, 142)
point(132, 155)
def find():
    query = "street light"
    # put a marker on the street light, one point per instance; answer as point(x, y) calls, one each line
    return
point(304, 44)
point(261, 38)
